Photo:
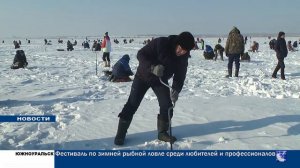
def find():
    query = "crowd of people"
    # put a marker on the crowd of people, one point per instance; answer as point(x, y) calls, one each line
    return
point(234, 49)
point(163, 58)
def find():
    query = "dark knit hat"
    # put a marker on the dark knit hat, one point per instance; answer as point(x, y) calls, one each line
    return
point(280, 34)
point(126, 56)
point(186, 40)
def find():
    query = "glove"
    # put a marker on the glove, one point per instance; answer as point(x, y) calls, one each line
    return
point(158, 70)
point(174, 95)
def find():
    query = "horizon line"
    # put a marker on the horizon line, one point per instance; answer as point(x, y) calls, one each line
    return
point(208, 35)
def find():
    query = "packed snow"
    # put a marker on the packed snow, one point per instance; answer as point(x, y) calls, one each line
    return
point(252, 111)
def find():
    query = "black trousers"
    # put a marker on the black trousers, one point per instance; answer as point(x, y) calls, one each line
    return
point(281, 66)
point(137, 93)
point(234, 58)
point(218, 52)
point(105, 56)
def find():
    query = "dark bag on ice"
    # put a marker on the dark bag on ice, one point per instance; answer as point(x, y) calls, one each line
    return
point(295, 44)
point(245, 57)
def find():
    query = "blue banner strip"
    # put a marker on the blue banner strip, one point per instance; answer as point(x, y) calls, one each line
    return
point(27, 118)
point(178, 158)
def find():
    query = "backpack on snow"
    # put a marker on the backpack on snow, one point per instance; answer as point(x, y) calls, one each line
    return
point(295, 44)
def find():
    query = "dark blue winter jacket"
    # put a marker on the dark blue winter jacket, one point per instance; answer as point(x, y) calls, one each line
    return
point(208, 49)
point(122, 68)
point(280, 48)
point(162, 51)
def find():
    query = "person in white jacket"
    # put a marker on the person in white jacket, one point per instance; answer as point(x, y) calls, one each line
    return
point(106, 49)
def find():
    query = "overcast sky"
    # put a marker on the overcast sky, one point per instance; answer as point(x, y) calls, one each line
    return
point(30, 18)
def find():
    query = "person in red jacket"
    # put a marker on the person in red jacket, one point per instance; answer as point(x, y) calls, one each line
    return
point(106, 49)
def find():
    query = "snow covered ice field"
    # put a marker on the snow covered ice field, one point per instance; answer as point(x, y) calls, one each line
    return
point(253, 111)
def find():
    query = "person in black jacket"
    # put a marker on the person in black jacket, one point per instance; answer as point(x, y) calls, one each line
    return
point(281, 53)
point(20, 60)
point(219, 50)
point(162, 58)
point(69, 46)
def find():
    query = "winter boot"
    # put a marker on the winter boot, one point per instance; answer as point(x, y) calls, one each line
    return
point(236, 73)
point(282, 74)
point(105, 64)
point(162, 127)
point(229, 73)
point(122, 130)
point(108, 64)
point(274, 75)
